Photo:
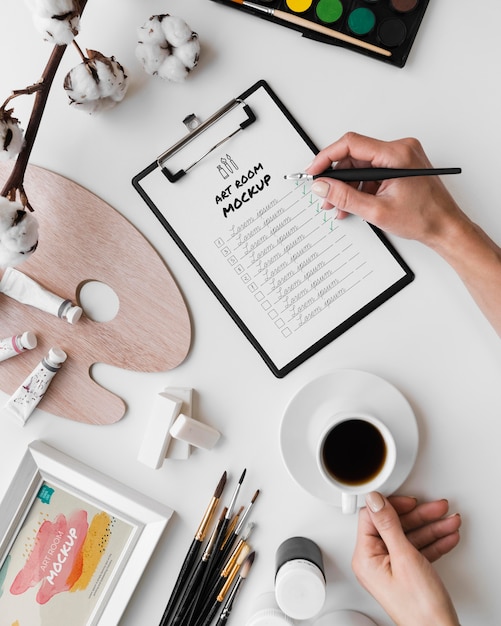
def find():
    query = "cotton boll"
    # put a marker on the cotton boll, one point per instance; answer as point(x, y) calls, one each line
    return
point(97, 84)
point(151, 57)
point(173, 69)
point(172, 56)
point(58, 21)
point(59, 32)
point(152, 32)
point(176, 30)
point(11, 136)
point(81, 84)
point(189, 52)
point(18, 233)
point(50, 8)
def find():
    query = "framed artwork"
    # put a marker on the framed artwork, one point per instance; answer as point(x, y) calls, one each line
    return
point(73, 542)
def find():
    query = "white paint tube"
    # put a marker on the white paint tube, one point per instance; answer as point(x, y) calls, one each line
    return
point(24, 289)
point(27, 396)
point(12, 346)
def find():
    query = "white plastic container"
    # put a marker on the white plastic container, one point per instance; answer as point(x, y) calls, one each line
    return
point(299, 578)
point(267, 613)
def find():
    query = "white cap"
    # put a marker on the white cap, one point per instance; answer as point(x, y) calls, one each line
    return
point(28, 340)
point(56, 356)
point(267, 613)
point(73, 314)
point(300, 589)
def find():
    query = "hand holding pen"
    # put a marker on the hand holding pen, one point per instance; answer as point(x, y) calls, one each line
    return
point(413, 208)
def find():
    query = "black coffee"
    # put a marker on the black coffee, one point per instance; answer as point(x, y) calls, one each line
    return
point(354, 452)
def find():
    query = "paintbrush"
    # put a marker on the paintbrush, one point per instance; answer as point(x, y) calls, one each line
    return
point(228, 605)
point(231, 541)
point(239, 553)
point(183, 612)
point(245, 562)
point(210, 567)
point(192, 555)
point(318, 28)
point(373, 173)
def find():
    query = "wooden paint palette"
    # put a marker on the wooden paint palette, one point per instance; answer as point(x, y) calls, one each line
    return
point(82, 239)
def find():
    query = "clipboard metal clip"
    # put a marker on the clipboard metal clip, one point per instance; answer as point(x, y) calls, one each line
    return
point(195, 128)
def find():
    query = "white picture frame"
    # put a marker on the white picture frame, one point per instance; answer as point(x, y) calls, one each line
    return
point(82, 538)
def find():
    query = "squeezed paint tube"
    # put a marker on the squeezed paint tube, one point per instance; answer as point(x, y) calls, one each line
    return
point(26, 397)
point(12, 346)
point(24, 289)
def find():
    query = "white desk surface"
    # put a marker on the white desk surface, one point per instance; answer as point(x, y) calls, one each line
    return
point(430, 341)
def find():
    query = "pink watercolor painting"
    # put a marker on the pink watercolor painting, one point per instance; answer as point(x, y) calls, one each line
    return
point(61, 561)
point(57, 547)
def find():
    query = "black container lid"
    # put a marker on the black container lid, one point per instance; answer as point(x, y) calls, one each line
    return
point(299, 548)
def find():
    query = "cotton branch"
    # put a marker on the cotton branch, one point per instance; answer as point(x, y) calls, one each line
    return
point(14, 183)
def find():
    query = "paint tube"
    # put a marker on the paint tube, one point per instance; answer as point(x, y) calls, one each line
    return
point(24, 289)
point(27, 396)
point(12, 346)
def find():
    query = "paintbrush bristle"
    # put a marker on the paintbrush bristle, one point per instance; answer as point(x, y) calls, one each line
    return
point(248, 530)
point(220, 486)
point(247, 565)
point(242, 477)
point(238, 1)
point(254, 498)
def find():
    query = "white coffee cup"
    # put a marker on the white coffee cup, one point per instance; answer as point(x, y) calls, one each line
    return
point(356, 454)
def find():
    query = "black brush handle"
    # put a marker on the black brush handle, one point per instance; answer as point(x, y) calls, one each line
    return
point(183, 576)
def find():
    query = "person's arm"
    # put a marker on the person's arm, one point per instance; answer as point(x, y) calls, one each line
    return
point(418, 208)
point(393, 554)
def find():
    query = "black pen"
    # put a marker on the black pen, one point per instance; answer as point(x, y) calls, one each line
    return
point(373, 173)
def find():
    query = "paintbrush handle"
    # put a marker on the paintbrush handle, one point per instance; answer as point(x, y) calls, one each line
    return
point(181, 581)
point(209, 569)
point(329, 32)
point(189, 596)
point(383, 173)
point(206, 619)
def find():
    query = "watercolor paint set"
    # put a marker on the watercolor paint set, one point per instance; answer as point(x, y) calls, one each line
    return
point(382, 29)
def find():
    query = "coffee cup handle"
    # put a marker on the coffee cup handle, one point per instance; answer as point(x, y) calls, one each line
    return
point(349, 503)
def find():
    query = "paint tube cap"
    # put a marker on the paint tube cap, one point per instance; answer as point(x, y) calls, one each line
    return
point(266, 612)
point(56, 356)
point(73, 314)
point(28, 340)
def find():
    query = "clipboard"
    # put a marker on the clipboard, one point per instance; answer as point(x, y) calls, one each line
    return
point(290, 276)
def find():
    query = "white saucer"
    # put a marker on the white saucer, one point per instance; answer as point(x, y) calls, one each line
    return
point(345, 618)
point(308, 414)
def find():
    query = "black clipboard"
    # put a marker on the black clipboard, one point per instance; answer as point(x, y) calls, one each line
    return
point(287, 317)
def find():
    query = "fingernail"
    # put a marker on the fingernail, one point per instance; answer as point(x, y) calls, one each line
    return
point(320, 188)
point(374, 501)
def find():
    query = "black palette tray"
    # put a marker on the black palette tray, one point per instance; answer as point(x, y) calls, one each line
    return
point(389, 26)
